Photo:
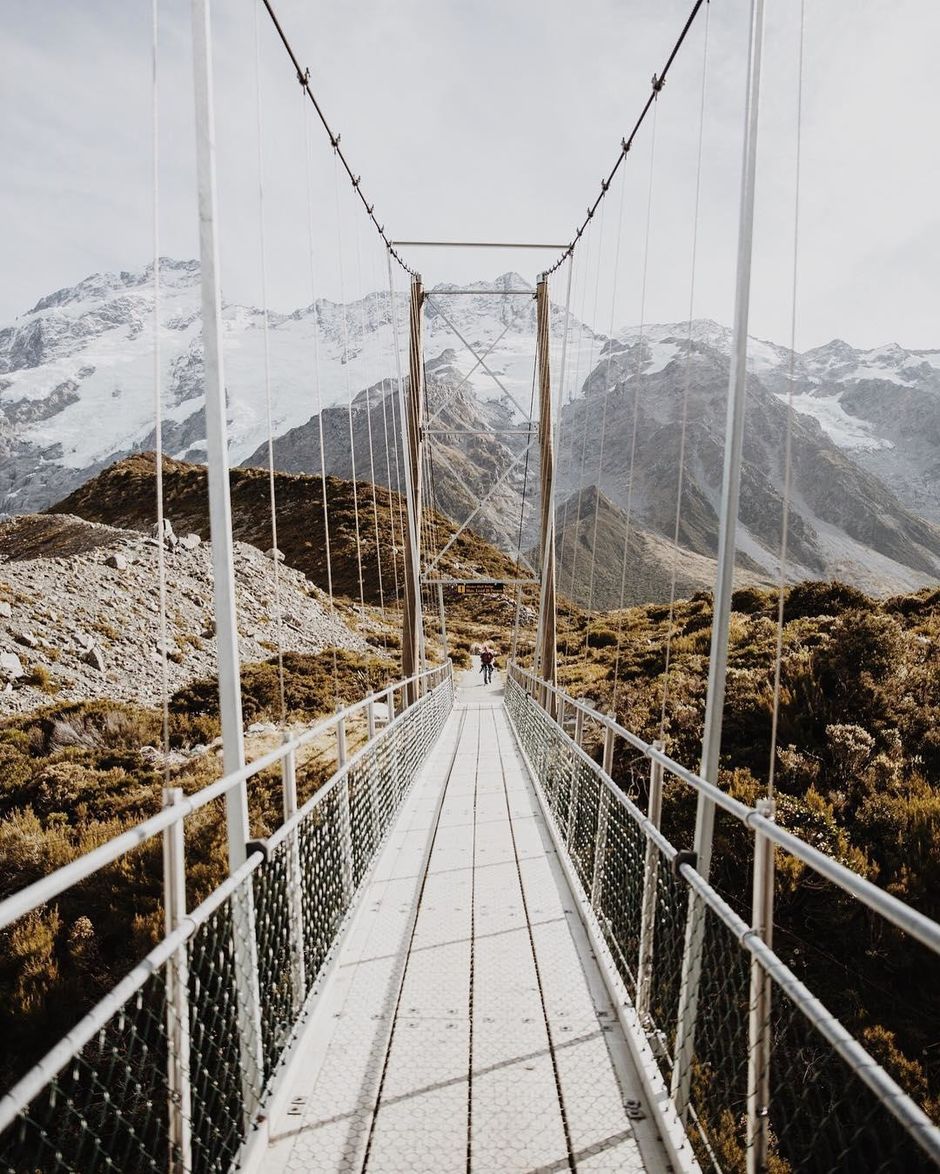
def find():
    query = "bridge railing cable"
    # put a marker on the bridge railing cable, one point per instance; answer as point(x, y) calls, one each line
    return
point(831, 1105)
point(118, 1091)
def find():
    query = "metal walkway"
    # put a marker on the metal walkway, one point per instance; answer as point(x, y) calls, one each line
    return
point(466, 1025)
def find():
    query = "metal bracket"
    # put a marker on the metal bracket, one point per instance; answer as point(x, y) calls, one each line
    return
point(258, 846)
point(686, 856)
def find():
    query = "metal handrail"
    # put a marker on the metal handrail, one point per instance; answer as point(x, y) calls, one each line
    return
point(55, 883)
point(924, 929)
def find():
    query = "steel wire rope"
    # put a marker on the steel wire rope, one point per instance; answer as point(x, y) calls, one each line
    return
point(659, 80)
point(573, 388)
point(382, 296)
point(303, 76)
point(319, 389)
point(266, 351)
point(525, 485)
point(636, 413)
point(375, 504)
point(687, 386)
point(586, 415)
point(397, 437)
point(158, 397)
point(568, 428)
point(606, 393)
point(788, 441)
point(348, 384)
point(401, 457)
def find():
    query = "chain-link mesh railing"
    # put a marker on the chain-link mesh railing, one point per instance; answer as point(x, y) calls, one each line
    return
point(830, 1107)
point(169, 1072)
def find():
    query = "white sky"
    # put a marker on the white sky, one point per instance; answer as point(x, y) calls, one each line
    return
point(488, 119)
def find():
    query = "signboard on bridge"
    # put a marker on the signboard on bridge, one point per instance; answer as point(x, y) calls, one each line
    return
point(478, 587)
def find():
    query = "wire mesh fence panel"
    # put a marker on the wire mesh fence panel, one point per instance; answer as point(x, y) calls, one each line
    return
point(619, 892)
point(719, 1061)
point(218, 1108)
point(276, 988)
point(671, 911)
point(322, 894)
point(583, 819)
point(823, 1117)
point(107, 1108)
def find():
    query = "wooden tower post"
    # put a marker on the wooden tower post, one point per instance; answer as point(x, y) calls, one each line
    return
point(546, 658)
point(413, 631)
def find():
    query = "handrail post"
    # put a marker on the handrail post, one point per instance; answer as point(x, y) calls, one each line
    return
point(177, 995)
point(650, 881)
point(220, 528)
point(759, 1028)
point(724, 584)
point(294, 875)
point(579, 726)
point(608, 763)
point(370, 718)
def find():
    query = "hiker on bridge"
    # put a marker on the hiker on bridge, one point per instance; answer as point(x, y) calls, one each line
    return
point(487, 662)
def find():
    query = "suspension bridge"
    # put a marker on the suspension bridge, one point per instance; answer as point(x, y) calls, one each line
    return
point(470, 948)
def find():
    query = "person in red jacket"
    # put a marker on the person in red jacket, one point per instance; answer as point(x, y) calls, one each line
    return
point(487, 658)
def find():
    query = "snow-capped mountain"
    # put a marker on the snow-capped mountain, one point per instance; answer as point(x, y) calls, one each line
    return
point(77, 370)
point(77, 392)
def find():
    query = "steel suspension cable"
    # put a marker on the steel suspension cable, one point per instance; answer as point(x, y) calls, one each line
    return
point(606, 393)
point(788, 442)
point(319, 390)
point(375, 504)
point(303, 76)
point(586, 416)
point(525, 486)
point(266, 347)
point(388, 463)
point(349, 393)
point(686, 390)
point(659, 80)
point(158, 399)
point(573, 388)
point(636, 412)
point(400, 455)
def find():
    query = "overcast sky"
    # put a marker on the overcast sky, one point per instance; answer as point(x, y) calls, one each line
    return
point(491, 119)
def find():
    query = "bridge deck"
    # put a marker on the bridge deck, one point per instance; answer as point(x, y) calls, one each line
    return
point(466, 1025)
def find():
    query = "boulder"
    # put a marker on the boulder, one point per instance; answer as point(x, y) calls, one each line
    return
point(5, 610)
point(190, 541)
point(27, 639)
point(274, 554)
point(118, 561)
point(95, 657)
point(11, 667)
point(169, 538)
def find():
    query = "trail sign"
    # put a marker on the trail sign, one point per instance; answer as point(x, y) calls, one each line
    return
point(479, 587)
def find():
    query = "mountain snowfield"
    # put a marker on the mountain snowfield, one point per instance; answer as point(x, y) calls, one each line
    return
point(77, 380)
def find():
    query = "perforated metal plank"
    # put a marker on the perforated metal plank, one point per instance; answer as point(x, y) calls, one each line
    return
point(406, 1075)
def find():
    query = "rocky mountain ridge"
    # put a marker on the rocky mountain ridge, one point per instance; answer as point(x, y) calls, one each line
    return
point(867, 432)
point(79, 612)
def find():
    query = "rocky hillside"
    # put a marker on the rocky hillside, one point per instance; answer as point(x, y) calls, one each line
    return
point(124, 496)
point(590, 535)
point(844, 522)
point(79, 612)
point(474, 444)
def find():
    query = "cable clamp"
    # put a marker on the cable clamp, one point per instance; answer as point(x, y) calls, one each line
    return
point(355, 182)
point(258, 846)
point(334, 142)
point(625, 146)
point(686, 856)
point(304, 78)
point(604, 185)
point(658, 83)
